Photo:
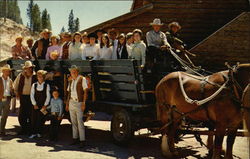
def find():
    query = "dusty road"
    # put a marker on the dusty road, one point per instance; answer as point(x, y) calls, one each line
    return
point(99, 145)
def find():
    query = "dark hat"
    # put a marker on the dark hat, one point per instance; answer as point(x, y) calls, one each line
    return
point(92, 35)
point(54, 88)
point(99, 30)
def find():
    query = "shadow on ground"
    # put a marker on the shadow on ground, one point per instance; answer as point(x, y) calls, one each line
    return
point(100, 142)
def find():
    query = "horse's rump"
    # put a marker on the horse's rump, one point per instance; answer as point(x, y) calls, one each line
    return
point(246, 103)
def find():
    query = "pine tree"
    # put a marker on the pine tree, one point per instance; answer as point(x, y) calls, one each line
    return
point(29, 13)
point(13, 10)
point(62, 30)
point(49, 23)
point(71, 24)
point(36, 18)
point(77, 25)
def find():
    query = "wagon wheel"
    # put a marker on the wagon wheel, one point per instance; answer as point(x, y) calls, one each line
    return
point(121, 127)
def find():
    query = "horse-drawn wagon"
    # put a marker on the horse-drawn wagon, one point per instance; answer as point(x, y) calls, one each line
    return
point(125, 90)
point(118, 87)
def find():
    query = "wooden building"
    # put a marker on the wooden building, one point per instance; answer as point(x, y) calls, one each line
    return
point(199, 18)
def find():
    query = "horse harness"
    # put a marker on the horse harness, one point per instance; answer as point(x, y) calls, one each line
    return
point(203, 104)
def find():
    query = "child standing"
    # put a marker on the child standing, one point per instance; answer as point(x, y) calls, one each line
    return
point(56, 106)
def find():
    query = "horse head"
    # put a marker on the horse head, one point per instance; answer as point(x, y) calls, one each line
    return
point(239, 76)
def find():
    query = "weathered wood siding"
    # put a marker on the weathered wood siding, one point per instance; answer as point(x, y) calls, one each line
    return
point(199, 18)
point(230, 44)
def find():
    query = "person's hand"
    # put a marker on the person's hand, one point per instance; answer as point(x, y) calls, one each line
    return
point(44, 107)
point(83, 106)
point(67, 107)
point(165, 47)
point(59, 118)
point(36, 107)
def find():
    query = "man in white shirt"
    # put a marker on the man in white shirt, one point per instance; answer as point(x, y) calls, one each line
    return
point(6, 90)
point(77, 96)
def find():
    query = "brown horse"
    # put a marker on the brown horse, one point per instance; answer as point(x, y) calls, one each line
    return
point(223, 112)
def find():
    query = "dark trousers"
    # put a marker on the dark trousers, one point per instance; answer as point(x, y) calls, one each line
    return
point(164, 58)
point(54, 127)
point(24, 116)
point(37, 121)
point(4, 113)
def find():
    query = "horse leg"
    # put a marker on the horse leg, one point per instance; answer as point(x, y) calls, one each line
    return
point(230, 141)
point(210, 142)
point(219, 135)
point(167, 145)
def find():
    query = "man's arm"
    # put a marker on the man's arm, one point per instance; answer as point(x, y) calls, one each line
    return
point(165, 41)
point(16, 84)
point(33, 49)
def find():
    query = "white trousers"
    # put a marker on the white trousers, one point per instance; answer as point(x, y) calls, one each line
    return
point(76, 116)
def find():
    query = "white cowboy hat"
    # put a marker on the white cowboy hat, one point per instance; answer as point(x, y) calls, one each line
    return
point(42, 72)
point(156, 21)
point(45, 31)
point(73, 67)
point(6, 67)
point(28, 64)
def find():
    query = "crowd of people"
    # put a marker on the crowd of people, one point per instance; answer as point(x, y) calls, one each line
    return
point(38, 97)
point(99, 45)
point(41, 101)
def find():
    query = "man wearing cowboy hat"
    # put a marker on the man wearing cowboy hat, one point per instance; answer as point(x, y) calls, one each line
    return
point(157, 42)
point(19, 51)
point(6, 91)
point(65, 45)
point(40, 47)
point(77, 96)
point(22, 87)
point(156, 37)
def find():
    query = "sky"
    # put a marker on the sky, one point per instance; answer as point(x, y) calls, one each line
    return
point(90, 13)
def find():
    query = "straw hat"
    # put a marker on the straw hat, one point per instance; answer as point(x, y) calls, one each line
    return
point(6, 67)
point(54, 36)
point(54, 53)
point(45, 31)
point(42, 72)
point(156, 21)
point(85, 34)
point(73, 67)
point(19, 37)
point(28, 64)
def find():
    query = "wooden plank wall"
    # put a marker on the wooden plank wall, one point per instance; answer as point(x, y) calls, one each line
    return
point(229, 44)
point(199, 19)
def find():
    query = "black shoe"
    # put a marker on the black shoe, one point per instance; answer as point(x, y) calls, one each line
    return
point(3, 134)
point(82, 144)
point(75, 142)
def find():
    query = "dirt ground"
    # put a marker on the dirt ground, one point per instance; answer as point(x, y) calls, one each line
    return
point(99, 144)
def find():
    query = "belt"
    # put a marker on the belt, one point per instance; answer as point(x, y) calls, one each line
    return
point(55, 113)
point(74, 99)
point(89, 57)
point(5, 98)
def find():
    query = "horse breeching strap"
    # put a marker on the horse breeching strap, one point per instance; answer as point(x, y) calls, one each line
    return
point(202, 104)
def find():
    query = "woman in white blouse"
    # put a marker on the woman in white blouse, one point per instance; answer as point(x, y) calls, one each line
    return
point(105, 48)
point(76, 47)
point(91, 50)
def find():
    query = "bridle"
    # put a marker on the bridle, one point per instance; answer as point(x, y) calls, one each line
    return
point(236, 87)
